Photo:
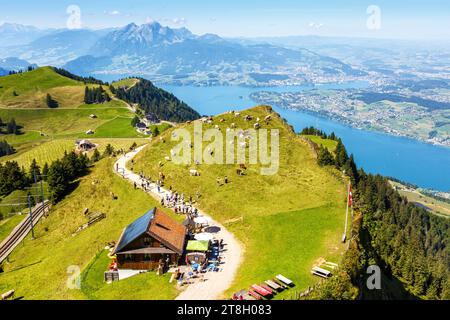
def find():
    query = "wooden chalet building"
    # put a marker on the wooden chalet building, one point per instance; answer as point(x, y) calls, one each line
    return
point(152, 239)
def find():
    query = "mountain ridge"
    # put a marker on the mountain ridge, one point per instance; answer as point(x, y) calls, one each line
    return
point(177, 56)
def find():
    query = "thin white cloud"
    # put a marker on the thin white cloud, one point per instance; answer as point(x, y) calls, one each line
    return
point(112, 13)
point(315, 25)
point(179, 21)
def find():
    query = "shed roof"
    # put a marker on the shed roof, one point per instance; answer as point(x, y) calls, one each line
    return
point(135, 229)
point(158, 225)
point(194, 245)
point(168, 231)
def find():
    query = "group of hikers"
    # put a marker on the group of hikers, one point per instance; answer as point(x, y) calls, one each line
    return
point(172, 199)
point(177, 202)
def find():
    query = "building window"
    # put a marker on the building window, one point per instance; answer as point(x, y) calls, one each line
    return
point(128, 257)
point(147, 241)
point(147, 257)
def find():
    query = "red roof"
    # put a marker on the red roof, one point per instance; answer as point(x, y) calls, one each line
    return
point(168, 231)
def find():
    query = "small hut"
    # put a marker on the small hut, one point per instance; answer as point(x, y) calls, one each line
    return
point(150, 240)
point(196, 252)
point(85, 145)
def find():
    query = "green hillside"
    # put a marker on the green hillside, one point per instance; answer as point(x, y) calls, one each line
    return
point(46, 133)
point(31, 88)
point(38, 269)
point(156, 101)
point(125, 83)
point(286, 222)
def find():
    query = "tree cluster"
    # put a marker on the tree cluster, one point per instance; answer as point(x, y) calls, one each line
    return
point(6, 148)
point(409, 244)
point(62, 172)
point(51, 103)
point(12, 177)
point(85, 80)
point(10, 127)
point(95, 95)
point(28, 69)
point(158, 102)
point(311, 131)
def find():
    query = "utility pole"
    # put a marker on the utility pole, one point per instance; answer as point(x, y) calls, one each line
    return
point(42, 189)
point(344, 236)
point(31, 217)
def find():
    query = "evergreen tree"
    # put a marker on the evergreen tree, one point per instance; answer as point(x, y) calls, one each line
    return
point(158, 102)
point(135, 121)
point(6, 149)
point(45, 172)
point(86, 96)
point(11, 127)
point(95, 95)
point(35, 170)
point(12, 177)
point(51, 103)
point(109, 150)
point(324, 157)
point(96, 156)
point(341, 155)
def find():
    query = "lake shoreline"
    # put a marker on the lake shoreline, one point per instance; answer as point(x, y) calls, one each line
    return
point(420, 163)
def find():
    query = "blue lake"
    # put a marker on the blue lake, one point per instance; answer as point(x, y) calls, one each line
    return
point(412, 161)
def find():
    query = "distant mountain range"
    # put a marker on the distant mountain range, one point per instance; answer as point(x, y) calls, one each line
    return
point(174, 56)
point(13, 34)
point(15, 64)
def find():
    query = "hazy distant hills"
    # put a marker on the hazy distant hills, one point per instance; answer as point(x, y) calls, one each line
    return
point(14, 64)
point(12, 34)
point(173, 56)
point(56, 47)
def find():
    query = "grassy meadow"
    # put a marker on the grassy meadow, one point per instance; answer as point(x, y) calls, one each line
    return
point(7, 225)
point(436, 206)
point(125, 83)
point(286, 222)
point(38, 269)
point(330, 144)
point(50, 151)
point(30, 89)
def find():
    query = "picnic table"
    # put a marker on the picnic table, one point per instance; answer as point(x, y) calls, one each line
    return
point(261, 290)
point(284, 279)
point(273, 285)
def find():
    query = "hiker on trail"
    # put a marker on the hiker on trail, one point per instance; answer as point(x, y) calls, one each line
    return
point(134, 184)
point(117, 167)
point(225, 179)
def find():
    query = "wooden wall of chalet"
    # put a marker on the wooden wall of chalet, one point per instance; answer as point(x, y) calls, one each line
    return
point(138, 262)
point(139, 243)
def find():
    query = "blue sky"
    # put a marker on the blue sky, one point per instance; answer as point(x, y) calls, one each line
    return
point(247, 18)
